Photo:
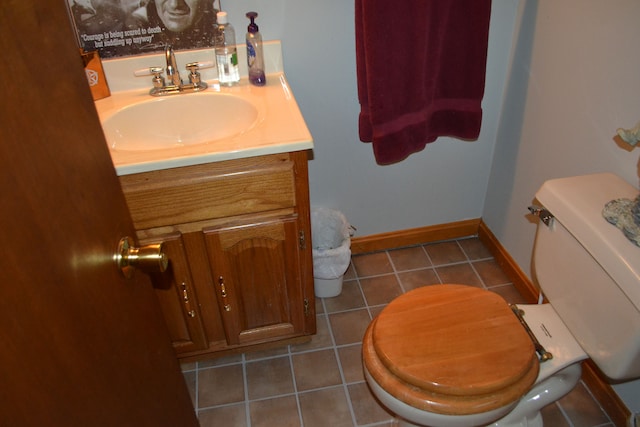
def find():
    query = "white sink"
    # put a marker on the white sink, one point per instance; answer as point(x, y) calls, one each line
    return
point(178, 120)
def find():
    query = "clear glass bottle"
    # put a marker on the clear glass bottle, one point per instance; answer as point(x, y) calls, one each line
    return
point(226, 53)
point(255, 59)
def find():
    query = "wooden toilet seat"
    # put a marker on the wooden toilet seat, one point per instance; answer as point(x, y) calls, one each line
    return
point(450, 349)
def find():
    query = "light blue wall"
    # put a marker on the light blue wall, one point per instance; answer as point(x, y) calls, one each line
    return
point(444, 183)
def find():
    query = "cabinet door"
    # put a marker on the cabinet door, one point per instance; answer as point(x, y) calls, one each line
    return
point(256, 270)
point(177, 297)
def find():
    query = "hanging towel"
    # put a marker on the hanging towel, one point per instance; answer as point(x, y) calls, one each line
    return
point(421, 68)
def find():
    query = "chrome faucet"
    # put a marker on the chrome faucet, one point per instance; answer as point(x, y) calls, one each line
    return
point(175, 85)
point(172, 68)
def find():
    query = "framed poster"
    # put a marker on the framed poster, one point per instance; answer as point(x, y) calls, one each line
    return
point(132, 27)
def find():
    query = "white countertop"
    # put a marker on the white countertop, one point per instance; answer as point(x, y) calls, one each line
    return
point(280, 126)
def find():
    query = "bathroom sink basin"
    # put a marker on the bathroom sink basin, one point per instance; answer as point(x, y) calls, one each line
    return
point(178, 121)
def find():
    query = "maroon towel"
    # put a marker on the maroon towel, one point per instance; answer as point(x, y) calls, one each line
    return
point(421, 69)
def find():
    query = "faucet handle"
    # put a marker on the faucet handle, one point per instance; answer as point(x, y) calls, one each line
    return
point(156, 72)
point(193, 67)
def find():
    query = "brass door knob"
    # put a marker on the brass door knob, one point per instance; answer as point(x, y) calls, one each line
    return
point(149, 258)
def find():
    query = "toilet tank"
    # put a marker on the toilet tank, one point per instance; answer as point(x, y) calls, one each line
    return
point(590, 272)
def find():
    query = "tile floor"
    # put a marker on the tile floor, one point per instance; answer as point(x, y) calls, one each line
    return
point(321, 384)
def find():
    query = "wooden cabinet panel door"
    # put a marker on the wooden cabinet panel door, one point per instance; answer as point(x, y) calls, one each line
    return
point(177, 296)
point(256, 271)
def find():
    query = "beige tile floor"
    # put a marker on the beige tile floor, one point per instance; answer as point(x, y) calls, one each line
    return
point(321, 384)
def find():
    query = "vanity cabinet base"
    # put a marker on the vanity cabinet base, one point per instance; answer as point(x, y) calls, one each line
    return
point(238, 237)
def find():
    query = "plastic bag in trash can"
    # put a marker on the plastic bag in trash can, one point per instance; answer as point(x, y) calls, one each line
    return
point(330, 234)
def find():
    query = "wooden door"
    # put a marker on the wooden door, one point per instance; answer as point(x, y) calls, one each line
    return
point(256, 270)
point(79, 344)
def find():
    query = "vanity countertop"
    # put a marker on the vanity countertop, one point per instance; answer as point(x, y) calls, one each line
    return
point(279, 126)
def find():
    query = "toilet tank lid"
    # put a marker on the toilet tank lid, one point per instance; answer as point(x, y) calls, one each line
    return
point(577, 202)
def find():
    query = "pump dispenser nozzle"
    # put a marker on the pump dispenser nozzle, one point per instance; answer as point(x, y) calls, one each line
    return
point(253, 27)
point(255, 60)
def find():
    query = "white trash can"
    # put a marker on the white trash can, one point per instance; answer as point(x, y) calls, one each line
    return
point(331, 237)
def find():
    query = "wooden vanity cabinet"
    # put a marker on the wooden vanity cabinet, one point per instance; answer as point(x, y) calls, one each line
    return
point(237, 234)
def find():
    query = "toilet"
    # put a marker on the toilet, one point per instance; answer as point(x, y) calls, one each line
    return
point(455, 355)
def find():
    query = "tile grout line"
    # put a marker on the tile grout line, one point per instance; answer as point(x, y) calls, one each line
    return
point(564, 413)
point(345, 386)
point(426, 252)
point(364, 299)
point(433, 265)
point(471, 264)
point(430, 267)
point(394, 271)
point(295, 385)
point(196, 391)
point(368, 306)
point(588, 390)
point(245, 381)
point(334, 346)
